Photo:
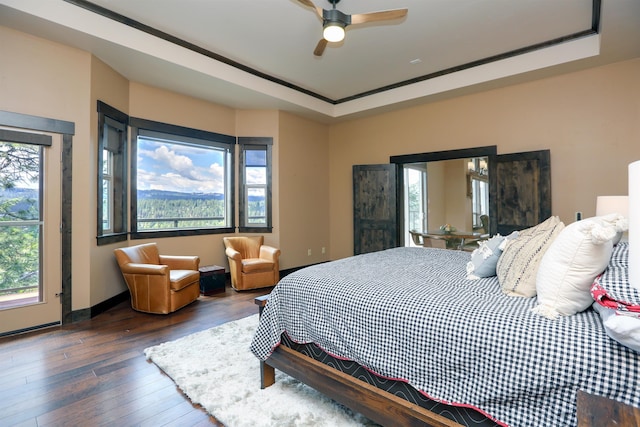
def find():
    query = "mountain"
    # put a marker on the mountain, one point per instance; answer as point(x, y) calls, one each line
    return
point(16, 202)
point(177, 195)
point(19, 193)
point(29, 193)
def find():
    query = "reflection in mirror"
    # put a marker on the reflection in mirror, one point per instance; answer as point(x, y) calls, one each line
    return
point(478, 191)
point(446, 187)
point(453, 192)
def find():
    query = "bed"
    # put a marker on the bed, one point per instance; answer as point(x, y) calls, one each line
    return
point(410, 315)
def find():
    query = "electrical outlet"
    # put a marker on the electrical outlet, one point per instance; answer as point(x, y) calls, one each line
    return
point(578, 216)
point(308, 252)
point(323, 249)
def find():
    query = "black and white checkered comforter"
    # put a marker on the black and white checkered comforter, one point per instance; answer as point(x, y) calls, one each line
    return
point(410, 314)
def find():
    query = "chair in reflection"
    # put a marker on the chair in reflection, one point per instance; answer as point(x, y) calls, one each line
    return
point(417, 237)
point(484, 227)
point(471, 245)
point(420, 240)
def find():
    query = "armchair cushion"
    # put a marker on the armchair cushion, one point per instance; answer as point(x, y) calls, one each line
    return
point(253, 265)
point(180, 279)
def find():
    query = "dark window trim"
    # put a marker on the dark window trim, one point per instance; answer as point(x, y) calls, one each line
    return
point(180, 130)
point(107, 239)
point(115, 114)
point(25, 138)
point(258, 142)
point(26, 121)
point(138, 124)
point(106, 111)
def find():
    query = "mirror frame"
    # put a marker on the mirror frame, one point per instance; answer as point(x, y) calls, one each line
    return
point(490, 151)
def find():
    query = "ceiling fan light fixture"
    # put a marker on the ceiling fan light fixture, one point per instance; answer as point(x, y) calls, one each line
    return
point(333, 32)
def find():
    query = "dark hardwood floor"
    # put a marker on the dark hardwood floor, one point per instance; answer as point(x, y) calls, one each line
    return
point(94, 372)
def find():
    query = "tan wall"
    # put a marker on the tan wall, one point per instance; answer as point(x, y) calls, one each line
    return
point(447, 192)
point(436, 193)
point(589, 120)
point(304, 191)
point(111, 88)
point(147, 102)
point(46, 79)
point(458, 213)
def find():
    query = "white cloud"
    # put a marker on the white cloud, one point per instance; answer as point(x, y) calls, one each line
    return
point(256, 175)
point(177, 170)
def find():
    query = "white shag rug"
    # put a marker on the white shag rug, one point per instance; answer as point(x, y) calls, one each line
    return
point(216, 369)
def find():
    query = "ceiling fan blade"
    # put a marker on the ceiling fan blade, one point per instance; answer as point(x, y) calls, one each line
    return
point(383, 15)
point(319, 50)
point(309, 3)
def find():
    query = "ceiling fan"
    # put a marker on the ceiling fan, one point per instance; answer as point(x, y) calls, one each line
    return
point(334, 22)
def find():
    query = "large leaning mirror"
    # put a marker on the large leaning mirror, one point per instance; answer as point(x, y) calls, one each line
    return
point(448, 189)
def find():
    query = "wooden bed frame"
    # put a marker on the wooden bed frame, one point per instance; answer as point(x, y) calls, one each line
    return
point(378, 405)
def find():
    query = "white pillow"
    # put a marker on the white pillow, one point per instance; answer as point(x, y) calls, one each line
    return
point(485, 257)
point(624, 329)
point(518, 264)
point(619, 222)
point(568, 268)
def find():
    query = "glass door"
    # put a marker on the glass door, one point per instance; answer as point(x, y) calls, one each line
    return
point(30, 278)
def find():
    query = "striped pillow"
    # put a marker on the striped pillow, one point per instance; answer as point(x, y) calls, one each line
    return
point(517, 267)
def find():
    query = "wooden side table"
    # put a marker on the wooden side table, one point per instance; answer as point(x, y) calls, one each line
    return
point(212, 279)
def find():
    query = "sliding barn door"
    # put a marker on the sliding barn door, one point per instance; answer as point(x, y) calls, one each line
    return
point(521, 193)
point(375, 219)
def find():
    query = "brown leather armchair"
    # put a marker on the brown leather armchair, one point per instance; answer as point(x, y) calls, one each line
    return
point(158, 283)
point(252, 265)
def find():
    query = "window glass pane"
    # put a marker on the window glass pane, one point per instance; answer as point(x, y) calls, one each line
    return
point(180, 185)
point(256, 206)
point(106, 205)
point(112, 174)
point(415, 196)
point(20, 223)
point(480, 197)
point(106, 162)
point(256, 157)
point(255, 179)
point(107, 191)
point(19, 181)
point(255, 175)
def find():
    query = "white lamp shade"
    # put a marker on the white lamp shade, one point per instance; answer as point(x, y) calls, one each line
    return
point(634, 224)
point(333, 33)
point(612, 204)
